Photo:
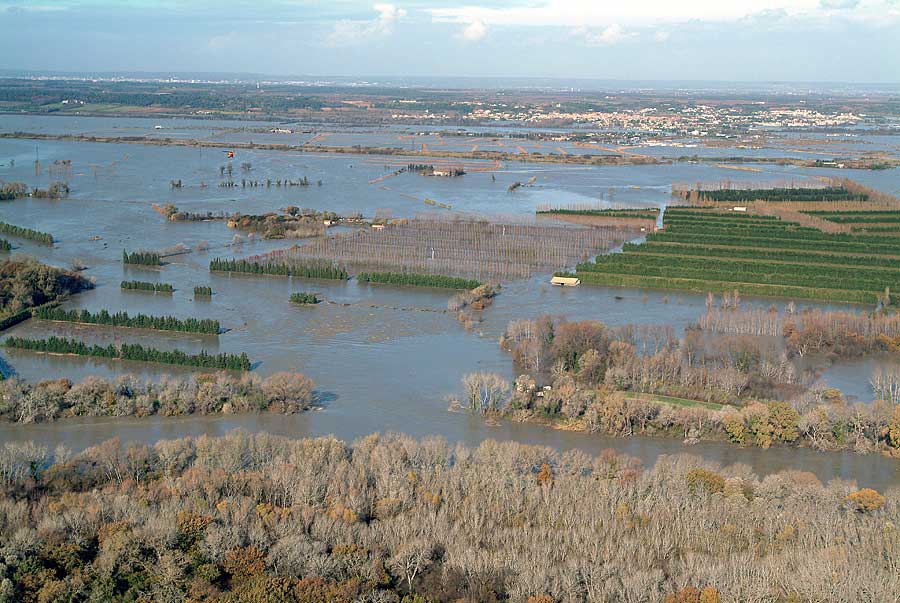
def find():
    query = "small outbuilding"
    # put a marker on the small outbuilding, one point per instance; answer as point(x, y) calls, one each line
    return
point(565, 281)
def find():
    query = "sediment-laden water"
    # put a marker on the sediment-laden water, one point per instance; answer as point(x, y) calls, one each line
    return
point(380, 362)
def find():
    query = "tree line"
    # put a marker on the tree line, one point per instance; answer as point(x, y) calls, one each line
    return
point(5, 246)
point(122, 319)
point(650, 214)
point(137, 352)
point(248, 518)
point(146, 258)
point(609, 279)
point(887, 245)
point(747, 271)
point(202, 291)
point(418, 280)
point(698, 249)
point(26, 233)
point(130, 395)
point(856, 216)
point(788, 230)
point(838, 335)
point(800, 194)
point(324, 270)
point(145, 286)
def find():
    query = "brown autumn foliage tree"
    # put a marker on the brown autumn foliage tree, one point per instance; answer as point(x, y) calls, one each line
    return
point(866, 500)
point(248, 518)
point(763, 401)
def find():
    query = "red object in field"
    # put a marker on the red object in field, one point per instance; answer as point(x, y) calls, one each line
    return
point(230, 154)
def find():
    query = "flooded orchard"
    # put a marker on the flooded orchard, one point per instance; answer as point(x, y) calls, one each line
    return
point(383, 358)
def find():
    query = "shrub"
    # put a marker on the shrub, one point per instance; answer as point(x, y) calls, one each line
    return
point(866, 500)
point(304, 298)
point(710, 481)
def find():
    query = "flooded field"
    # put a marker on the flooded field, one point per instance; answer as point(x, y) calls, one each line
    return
point(435, 138)
point(383, 358)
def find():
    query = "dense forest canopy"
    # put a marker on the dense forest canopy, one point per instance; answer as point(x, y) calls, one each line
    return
point(257, 518)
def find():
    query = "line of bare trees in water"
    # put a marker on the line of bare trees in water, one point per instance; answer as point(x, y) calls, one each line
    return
point(813, 331)
point(736, 388)
point(250, 518)
point(461, 248)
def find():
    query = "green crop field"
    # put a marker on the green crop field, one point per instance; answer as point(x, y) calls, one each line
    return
point(792, 195)
point(757, 255)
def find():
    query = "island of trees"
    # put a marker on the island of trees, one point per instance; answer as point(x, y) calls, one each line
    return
point(280, 226)
point(146, 286)
point(724, 380)
point(144, 258)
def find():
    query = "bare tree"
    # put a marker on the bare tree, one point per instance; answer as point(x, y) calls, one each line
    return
point(411, 560)
point(485, 392)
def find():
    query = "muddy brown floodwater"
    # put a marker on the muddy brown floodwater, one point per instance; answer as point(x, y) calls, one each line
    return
point(379, 362)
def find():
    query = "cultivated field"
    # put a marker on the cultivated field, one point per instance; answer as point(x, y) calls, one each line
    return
point(703, 250)
point(460, 248)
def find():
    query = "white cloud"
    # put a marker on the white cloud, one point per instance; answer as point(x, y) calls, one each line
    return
point(348, 32)
point(662, 36)
point(388, 13)
point(34, 8)
point(608, 36)
point(474, 31)
point(839, 4)
point(644, 13)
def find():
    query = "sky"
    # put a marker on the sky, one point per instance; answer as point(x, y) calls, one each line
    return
point(727, 40)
